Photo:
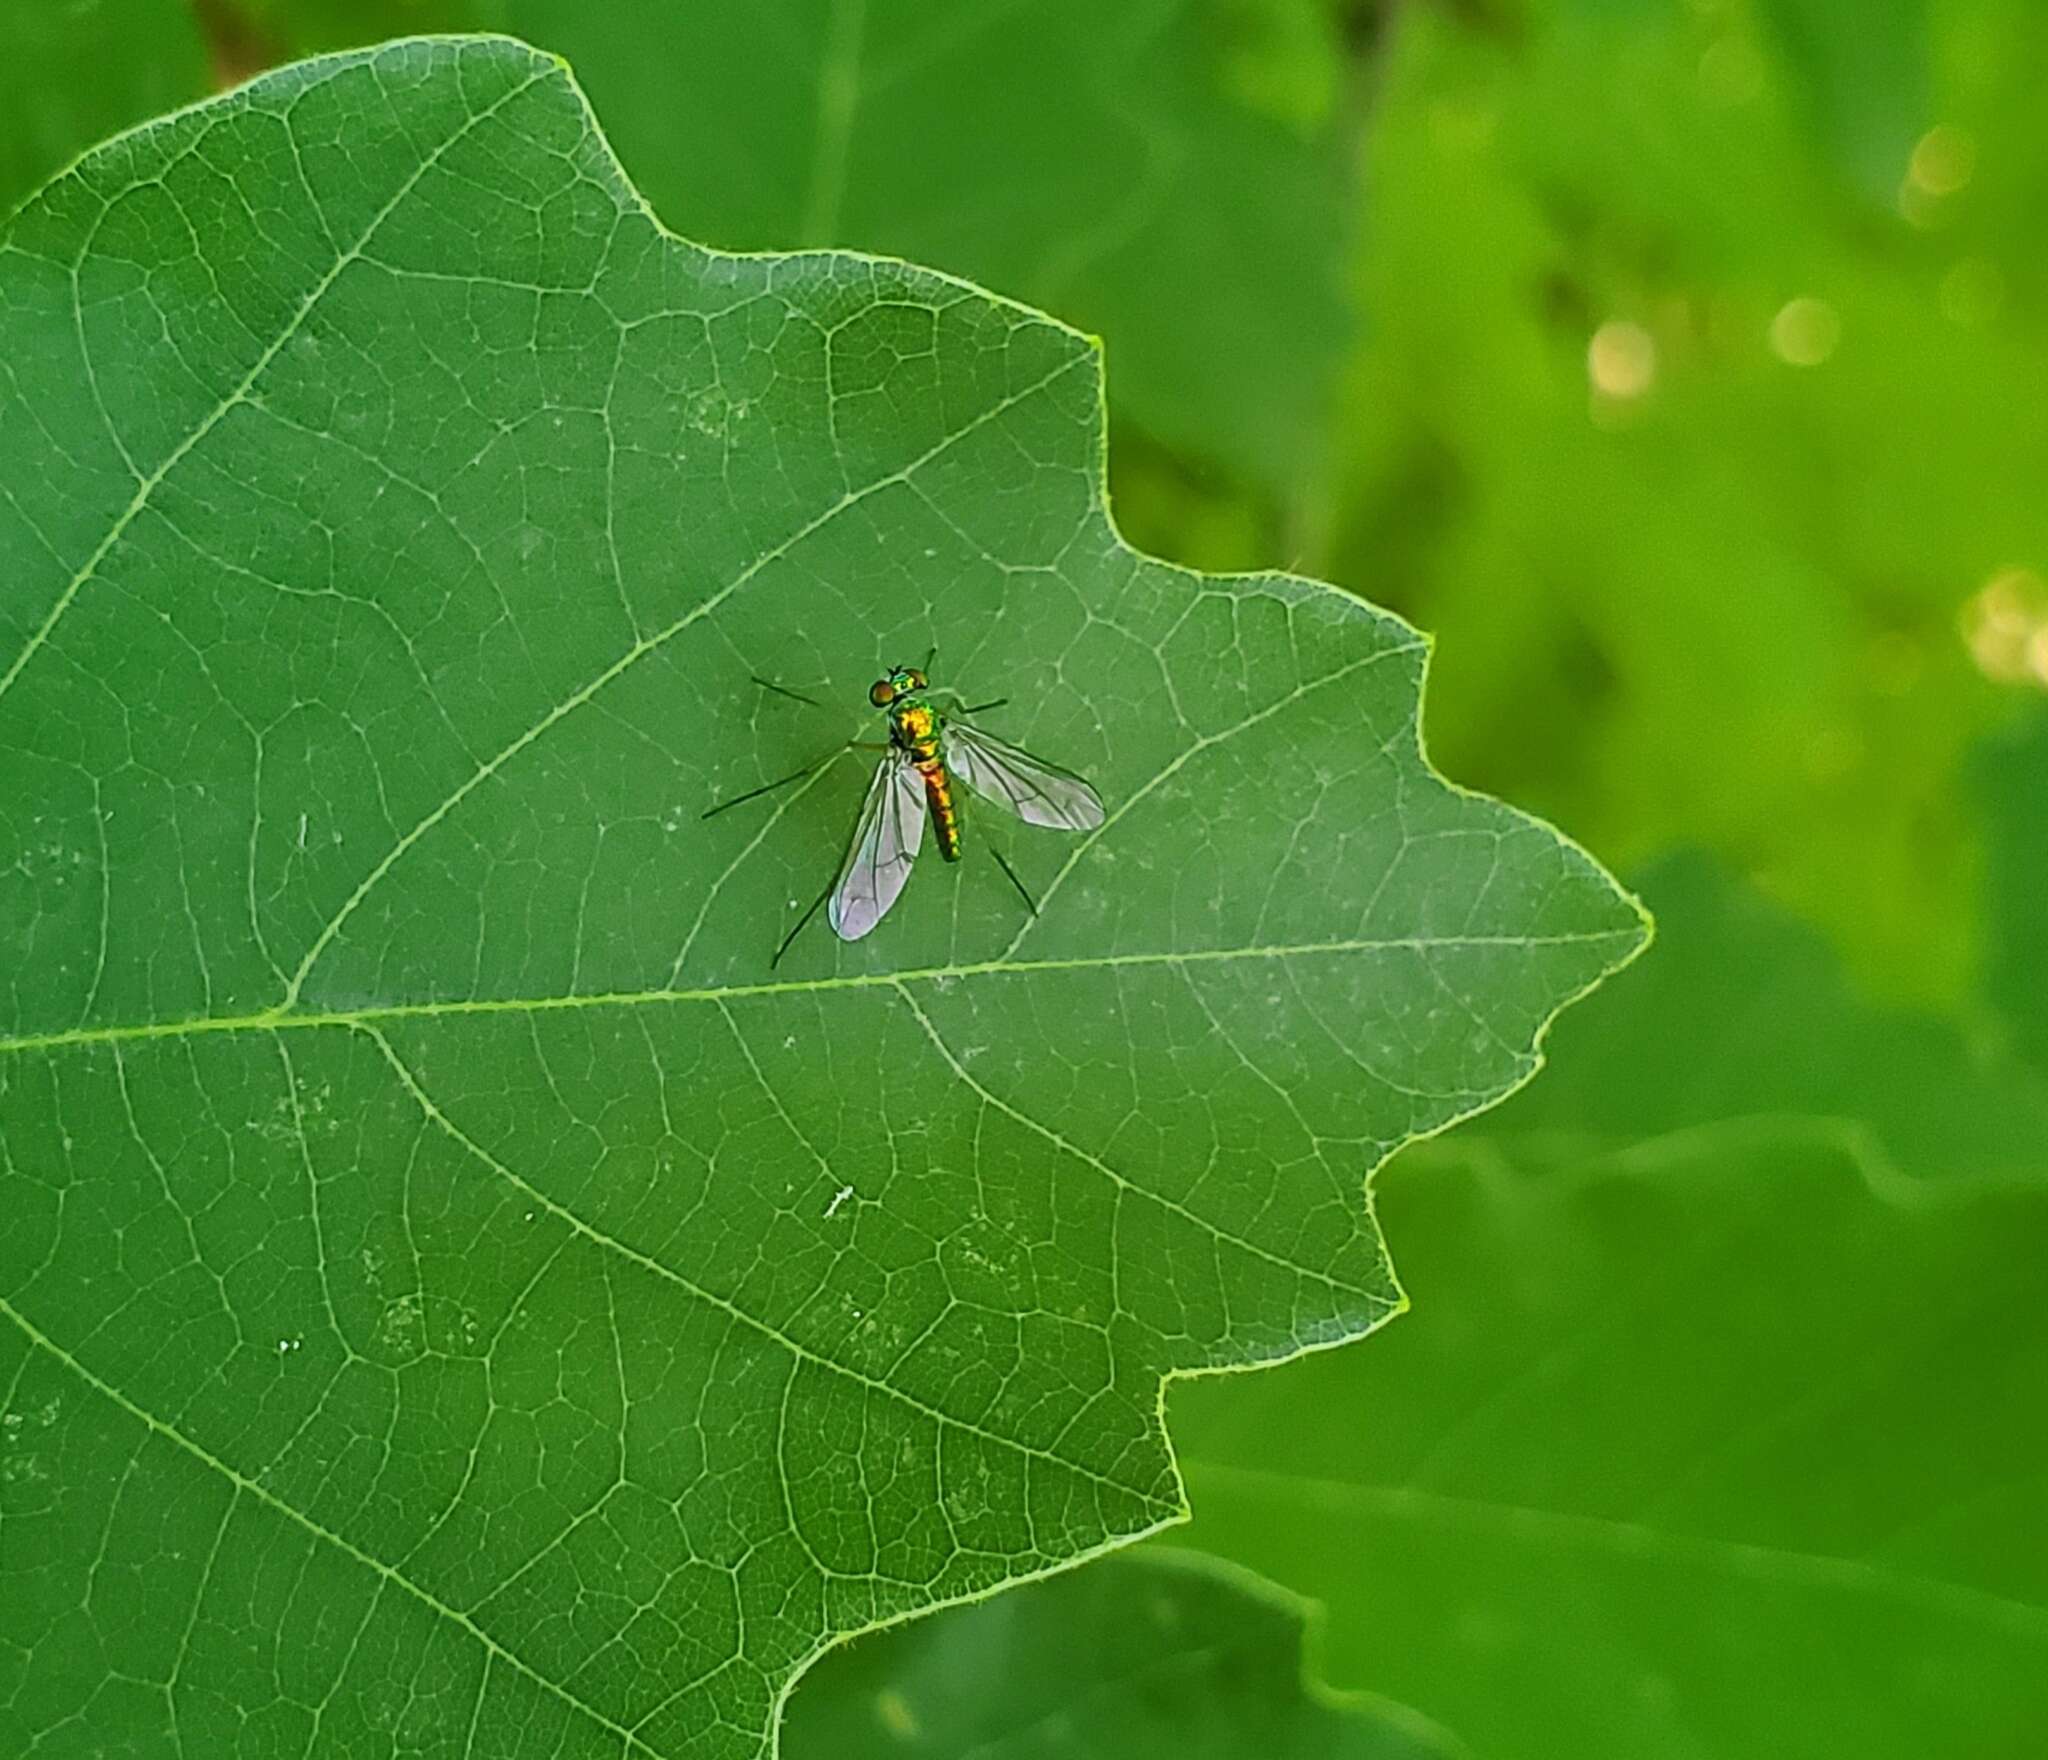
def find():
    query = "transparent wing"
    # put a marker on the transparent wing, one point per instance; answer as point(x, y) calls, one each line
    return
point(885, 843)
point(1037, 792)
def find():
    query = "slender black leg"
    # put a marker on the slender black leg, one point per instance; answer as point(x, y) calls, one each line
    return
point(799, 929)
point(780, 782)
point(930, 654)
point(1030, 904)
point(783, 690)
point(978, 708)
point(839, 751)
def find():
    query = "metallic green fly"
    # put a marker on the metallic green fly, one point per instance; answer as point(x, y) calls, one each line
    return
point(929, 746)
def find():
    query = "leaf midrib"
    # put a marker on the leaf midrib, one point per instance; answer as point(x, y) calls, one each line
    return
point(289, 1020)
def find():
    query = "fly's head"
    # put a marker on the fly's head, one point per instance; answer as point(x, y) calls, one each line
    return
point(899, 681)
point(901, 690)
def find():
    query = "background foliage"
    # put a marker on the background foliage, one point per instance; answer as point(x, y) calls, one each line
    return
point(1680, 364)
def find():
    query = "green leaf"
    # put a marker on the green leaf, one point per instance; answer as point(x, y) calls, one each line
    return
point(1168, 1653)
point(1717, 1442)
point(1746, 1012)
point(72, 74)
point(1720, 1445)
point(455, 1291)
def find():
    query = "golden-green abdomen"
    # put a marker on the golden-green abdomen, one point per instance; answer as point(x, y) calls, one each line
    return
point(939, 803)
point(916, 730)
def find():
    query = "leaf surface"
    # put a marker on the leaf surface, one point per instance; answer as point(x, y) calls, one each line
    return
point(455, 1294)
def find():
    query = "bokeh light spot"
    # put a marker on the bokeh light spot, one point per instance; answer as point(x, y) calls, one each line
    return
point(1621, 360)
point(1942, 161)
point(2005, 627)
point(1805, 332)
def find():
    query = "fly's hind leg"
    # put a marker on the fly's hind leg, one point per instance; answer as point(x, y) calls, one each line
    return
point(754, 794)
point(801, 922)
point(817, 763)
point(1030, 904)
point(852, 745)
point(783, 690)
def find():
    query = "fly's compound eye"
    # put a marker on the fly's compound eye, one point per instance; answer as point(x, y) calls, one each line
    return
point(881, 693)
point(916, 679)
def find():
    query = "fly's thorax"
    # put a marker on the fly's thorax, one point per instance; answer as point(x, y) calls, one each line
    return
point(914, 726)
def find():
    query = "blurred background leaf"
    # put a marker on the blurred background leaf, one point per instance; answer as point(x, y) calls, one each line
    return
point(2013, 781)
point(1723, 1441)
point(73, 73)
point(1745, 1012)
point(1860, 76)
point(1725, 1444)
point(1166, 1653)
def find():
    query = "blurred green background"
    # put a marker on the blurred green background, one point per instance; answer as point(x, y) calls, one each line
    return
point(1682, 365)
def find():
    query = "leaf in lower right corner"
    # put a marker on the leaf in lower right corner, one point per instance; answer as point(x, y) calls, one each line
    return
point(1708, 1433)
point(1167, 1654)
point(1730, 1445)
